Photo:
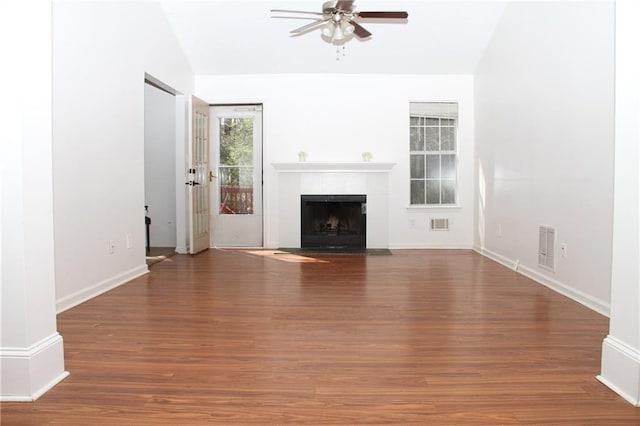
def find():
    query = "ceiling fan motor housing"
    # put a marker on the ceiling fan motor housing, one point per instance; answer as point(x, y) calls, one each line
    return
point(331, 8)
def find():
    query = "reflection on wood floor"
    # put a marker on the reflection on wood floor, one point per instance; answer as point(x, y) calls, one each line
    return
point(158, 254)
point(259, 337)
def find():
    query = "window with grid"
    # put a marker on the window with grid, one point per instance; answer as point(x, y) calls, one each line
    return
point(433, 151)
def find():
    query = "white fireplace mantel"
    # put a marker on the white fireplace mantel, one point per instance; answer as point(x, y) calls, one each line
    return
point(294, 179)
point(336, 167)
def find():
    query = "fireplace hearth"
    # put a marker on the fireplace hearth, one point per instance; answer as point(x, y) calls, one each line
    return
point(334, 222)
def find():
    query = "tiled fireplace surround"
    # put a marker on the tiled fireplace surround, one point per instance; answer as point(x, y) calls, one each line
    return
point(338, 178)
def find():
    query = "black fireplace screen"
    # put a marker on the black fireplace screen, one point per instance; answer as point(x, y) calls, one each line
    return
point(334, 221)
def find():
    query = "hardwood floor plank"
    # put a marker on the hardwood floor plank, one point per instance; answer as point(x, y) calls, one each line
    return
point(256, 337)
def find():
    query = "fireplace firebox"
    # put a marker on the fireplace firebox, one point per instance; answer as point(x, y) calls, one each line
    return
point(334, 222)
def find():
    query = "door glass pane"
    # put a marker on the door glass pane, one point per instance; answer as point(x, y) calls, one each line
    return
point(200, 191)
point(236, 141)
point(235, 171)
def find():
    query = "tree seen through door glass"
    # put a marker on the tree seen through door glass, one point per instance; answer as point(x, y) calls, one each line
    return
point(235, 171)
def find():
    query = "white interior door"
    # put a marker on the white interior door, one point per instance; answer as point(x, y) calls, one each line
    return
point(198, 177)
point(237, 190)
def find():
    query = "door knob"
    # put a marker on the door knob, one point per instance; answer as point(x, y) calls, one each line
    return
point(211, 176)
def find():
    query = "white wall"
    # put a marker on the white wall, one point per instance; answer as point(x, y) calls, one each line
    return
point(101, 53)
point(544, 134)
point(336, 118)
point(160, 165)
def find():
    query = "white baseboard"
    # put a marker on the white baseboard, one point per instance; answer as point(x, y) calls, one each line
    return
point(83, 295)
point(428, 246)
point(506, 262)
point(621, 369)
point(590, 302)
point(271, 245)
point(27, 373)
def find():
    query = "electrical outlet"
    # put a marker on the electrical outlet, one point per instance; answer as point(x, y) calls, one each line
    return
point(499, 231)
point(563, 249)
point(112, 246)
point(412, 223)
point(129, 241)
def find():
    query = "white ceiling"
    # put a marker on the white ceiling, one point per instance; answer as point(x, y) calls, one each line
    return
point(241, 37)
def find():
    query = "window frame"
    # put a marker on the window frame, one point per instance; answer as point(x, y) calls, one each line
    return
point(425, 122)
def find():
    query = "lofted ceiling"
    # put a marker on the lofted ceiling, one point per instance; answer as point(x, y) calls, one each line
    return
point(241, 37)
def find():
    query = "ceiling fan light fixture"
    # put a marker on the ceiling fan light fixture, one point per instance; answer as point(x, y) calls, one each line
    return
point(338, 33)
point(347, 28)
point(328, 29)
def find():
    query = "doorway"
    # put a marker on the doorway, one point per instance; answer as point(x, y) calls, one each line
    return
point(159, 173)
point(236, 176)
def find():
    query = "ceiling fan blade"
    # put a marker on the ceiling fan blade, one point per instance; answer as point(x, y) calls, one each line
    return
point(295, 17)
point(359, 30)
point(308, 27)
point(383, 15)
point(295, 11)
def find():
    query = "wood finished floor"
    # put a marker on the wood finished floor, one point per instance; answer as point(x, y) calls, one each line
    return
point(240, 337)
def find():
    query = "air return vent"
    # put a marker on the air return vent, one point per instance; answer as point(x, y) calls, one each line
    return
point(546, 248)
point(440, 224)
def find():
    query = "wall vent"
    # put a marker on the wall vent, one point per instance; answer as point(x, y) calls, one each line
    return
point(547, 248)
point(440, 224)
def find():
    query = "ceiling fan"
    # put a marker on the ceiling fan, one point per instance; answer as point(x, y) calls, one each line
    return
point(338, 20)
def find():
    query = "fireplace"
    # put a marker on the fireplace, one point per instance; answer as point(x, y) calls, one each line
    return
point(334, 222)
